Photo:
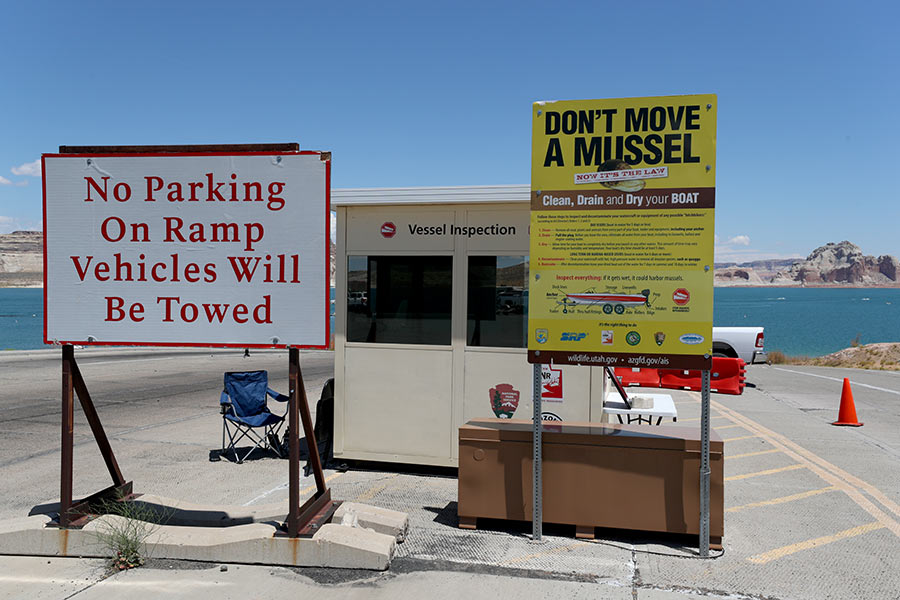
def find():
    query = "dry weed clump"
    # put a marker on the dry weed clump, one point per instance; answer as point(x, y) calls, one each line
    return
point(882, 356)
point(125, 535)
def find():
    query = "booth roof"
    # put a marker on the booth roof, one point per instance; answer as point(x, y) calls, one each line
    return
point(431, 195)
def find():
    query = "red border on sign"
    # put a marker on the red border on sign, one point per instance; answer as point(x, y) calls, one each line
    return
point(327, 161)
point(44, 238)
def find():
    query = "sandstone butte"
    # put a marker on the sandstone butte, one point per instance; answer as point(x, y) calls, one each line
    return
point(21, 259)
point(833, 265)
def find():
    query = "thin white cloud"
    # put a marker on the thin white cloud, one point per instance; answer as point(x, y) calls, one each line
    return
point(730, 245)
point(10, 224)
point(5, 181)
point(32, 169)
point(333, 226)
point(738, 249)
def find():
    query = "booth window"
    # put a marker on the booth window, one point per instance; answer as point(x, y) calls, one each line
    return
point(399, 299)
point(498, 301)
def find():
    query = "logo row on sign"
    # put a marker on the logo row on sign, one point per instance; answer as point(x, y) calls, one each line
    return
point(607, 337)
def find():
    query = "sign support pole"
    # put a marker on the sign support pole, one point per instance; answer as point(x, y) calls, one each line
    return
point(67, 447)
point(293, 444)
point(304, 521)
point(704, 464)
point(537, 485)
point(72, 513)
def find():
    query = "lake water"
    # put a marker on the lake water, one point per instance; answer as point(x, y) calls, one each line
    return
point(798, 321)
point(812, 321)
point(21, 318)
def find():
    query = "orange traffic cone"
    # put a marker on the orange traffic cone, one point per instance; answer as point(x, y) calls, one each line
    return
point(847, 412)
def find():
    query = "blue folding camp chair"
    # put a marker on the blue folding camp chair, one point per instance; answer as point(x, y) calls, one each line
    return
point(244, 410)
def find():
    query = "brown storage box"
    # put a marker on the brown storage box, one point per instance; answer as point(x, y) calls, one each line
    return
point(594, 475)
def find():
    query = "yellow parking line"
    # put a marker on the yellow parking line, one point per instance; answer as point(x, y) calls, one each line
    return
point(312, 488)
point(742, 437)
point(375, 489)
point(783, 499)
point(757, 453)
point(828, 472)
point(777, 553)
point(851, 485)
point(698, 418)
point(766, 472)
point(717, 428)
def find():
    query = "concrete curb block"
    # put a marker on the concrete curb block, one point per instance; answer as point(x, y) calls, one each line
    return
point(382, 520)
point(332, 546)
point(178, 512)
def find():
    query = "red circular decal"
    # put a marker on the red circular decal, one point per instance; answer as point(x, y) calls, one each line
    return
point(681, 296)
point(388, 229)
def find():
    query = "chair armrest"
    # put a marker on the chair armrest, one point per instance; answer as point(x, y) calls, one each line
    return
point(276, 395)
point(224, 403)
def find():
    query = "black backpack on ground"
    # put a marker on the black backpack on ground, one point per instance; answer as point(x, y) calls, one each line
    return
point(324, 432)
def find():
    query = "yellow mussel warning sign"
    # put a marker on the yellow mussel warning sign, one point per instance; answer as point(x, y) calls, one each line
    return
point(623, 199)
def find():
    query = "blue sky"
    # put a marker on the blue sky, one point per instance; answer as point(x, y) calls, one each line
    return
point(414, 94)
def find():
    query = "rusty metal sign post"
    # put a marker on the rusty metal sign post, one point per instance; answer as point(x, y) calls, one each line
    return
point(73, 513)
point(303, 521)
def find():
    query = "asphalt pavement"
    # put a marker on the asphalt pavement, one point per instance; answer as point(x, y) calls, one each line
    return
point(812, 510)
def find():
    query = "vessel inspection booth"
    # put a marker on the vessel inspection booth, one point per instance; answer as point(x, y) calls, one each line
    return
point(431, 314)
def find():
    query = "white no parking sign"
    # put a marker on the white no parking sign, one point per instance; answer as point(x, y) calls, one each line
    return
point(191, 249)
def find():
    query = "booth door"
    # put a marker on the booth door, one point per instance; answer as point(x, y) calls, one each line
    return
point(398, 359)
point(392, 411)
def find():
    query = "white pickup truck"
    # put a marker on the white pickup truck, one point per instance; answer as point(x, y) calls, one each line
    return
point(746, 343)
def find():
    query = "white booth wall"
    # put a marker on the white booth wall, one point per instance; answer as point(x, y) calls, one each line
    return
point(402, 392)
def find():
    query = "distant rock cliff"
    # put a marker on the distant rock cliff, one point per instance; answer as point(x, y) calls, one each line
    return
point(21, 259)
point(731, 276)
point(840, 264)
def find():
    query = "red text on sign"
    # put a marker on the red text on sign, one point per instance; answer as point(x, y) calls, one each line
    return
point(212, 232)
point(215, 312)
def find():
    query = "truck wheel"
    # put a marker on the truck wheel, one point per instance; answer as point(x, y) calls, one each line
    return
point(607, 308)
point(619, 309)
point(723, 350)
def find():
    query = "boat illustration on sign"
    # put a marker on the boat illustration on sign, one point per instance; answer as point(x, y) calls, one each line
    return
point(608, 302)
